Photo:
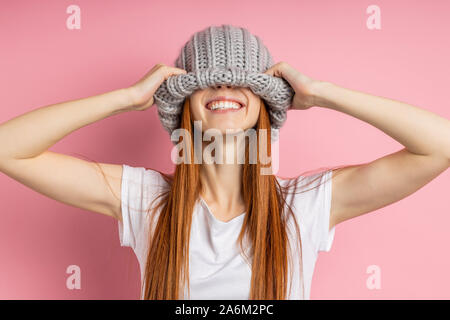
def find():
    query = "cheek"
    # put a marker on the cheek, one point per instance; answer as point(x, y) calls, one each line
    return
point(253, 116)
point(197, 112)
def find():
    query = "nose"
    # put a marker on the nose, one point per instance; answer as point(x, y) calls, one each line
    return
point(219, 86)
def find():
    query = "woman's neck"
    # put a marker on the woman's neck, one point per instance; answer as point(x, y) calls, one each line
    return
point(222, 189)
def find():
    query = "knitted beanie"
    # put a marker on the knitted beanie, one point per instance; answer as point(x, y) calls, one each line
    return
point(223, 55)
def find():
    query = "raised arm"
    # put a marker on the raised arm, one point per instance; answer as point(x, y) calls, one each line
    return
point(362, 188)
point(366, 187)
point(24, 141)
point(24, 156)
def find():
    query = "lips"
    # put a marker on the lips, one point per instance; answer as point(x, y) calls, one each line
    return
point(213, 107)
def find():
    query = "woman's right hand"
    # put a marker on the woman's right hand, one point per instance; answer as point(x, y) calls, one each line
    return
point(142, 91)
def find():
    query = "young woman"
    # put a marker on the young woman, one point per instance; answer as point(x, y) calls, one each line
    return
point(185, 227)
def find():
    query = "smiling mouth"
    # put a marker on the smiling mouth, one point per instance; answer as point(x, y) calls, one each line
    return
point(222, 106)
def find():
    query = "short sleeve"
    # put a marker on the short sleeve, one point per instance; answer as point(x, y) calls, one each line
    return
point(312, 205)
point(139, 188)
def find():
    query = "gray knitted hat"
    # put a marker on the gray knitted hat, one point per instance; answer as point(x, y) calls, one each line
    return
point(223, 55)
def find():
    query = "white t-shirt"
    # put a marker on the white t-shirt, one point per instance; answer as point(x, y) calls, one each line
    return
point(217, 270)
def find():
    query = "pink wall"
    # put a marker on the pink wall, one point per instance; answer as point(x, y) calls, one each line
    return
point(42, 62)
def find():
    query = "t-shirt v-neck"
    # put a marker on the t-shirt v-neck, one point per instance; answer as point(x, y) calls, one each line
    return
point(238, 218)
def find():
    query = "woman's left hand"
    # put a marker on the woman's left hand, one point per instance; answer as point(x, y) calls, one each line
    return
point(302, 84)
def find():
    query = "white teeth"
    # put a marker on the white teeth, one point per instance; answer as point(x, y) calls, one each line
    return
point(222, 105)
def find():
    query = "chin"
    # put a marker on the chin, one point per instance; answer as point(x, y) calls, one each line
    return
point(223, 126)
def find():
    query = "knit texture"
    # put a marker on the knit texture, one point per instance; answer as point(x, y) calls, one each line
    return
point(223, 55)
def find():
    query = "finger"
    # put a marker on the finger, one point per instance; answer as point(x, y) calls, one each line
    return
point(270, 71)
point(285, 71)
point(277, 70)
point(178, 70)
point(172, 71)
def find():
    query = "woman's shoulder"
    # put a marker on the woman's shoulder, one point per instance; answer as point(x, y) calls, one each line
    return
point(140, 187)
point(312, 178)
point(144, 176)
point(309, 197)
point(308, 192)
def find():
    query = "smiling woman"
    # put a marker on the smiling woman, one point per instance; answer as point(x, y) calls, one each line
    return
point(205, 209)
point(225, 230)
point(225, 89)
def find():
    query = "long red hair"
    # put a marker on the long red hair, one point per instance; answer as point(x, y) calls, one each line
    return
point(264, 225)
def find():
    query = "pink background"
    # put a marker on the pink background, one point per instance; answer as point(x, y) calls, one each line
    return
point(42, 63)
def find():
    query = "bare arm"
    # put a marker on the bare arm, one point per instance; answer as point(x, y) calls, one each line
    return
point(25, 139)
point(369, 186)
point(24, 156)
point(362, 188)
